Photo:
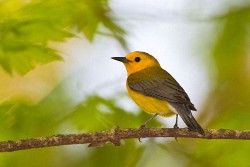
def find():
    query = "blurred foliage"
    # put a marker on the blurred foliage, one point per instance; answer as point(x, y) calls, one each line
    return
point(27, 28)
point(105, 115)
point(228, 103)
point(53, 114)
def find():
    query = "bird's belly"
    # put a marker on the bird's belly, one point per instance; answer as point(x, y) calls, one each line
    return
point(151, 105)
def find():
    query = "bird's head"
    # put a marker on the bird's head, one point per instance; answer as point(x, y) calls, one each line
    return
point(137, 61)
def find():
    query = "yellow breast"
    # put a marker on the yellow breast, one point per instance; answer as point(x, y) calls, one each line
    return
point(149, 104)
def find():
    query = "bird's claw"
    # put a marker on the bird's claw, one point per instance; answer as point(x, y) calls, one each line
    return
point(143, 126)
point(176, 128)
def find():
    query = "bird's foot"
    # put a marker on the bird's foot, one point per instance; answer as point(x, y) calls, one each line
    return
point(143, 126)
point(176, 127)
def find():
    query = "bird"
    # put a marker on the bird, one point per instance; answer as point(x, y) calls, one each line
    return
point(156, 91)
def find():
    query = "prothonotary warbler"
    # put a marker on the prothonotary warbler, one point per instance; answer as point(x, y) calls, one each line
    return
point(156, 91)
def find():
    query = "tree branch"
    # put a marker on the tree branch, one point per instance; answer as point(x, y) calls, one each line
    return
point(98, 139)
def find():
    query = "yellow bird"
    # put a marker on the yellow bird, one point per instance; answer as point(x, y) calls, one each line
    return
point(156, 91)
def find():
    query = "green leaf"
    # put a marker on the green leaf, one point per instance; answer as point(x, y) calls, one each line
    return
point(97, 113)
point(26, 31)
point(23, 57)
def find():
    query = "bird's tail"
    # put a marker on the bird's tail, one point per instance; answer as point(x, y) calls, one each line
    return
point(187, 117)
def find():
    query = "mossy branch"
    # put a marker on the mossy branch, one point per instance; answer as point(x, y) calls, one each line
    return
point(98, 139)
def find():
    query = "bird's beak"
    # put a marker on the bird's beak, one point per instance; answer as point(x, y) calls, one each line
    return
point(121, 59)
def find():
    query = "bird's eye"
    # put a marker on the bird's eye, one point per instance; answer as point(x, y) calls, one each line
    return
point(137, 59)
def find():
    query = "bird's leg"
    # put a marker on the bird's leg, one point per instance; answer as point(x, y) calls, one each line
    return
point(147, 121)
point(176, 122)
point(176, 126)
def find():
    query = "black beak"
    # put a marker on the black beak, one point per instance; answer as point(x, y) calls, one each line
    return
point(121, 59)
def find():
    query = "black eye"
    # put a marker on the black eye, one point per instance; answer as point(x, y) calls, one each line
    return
point(137, 59)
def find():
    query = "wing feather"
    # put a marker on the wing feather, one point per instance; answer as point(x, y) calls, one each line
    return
point(161, 88)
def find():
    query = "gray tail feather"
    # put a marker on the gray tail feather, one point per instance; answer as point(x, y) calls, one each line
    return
point(187, 117)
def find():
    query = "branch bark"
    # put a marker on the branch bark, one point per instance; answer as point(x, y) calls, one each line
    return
point(98, 139)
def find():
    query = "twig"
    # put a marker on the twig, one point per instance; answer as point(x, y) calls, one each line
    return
point(98, 139)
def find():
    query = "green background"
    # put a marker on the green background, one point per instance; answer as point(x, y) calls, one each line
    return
point(26, 32)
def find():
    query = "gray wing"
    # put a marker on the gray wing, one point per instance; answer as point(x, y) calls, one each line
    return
point(164, 89)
